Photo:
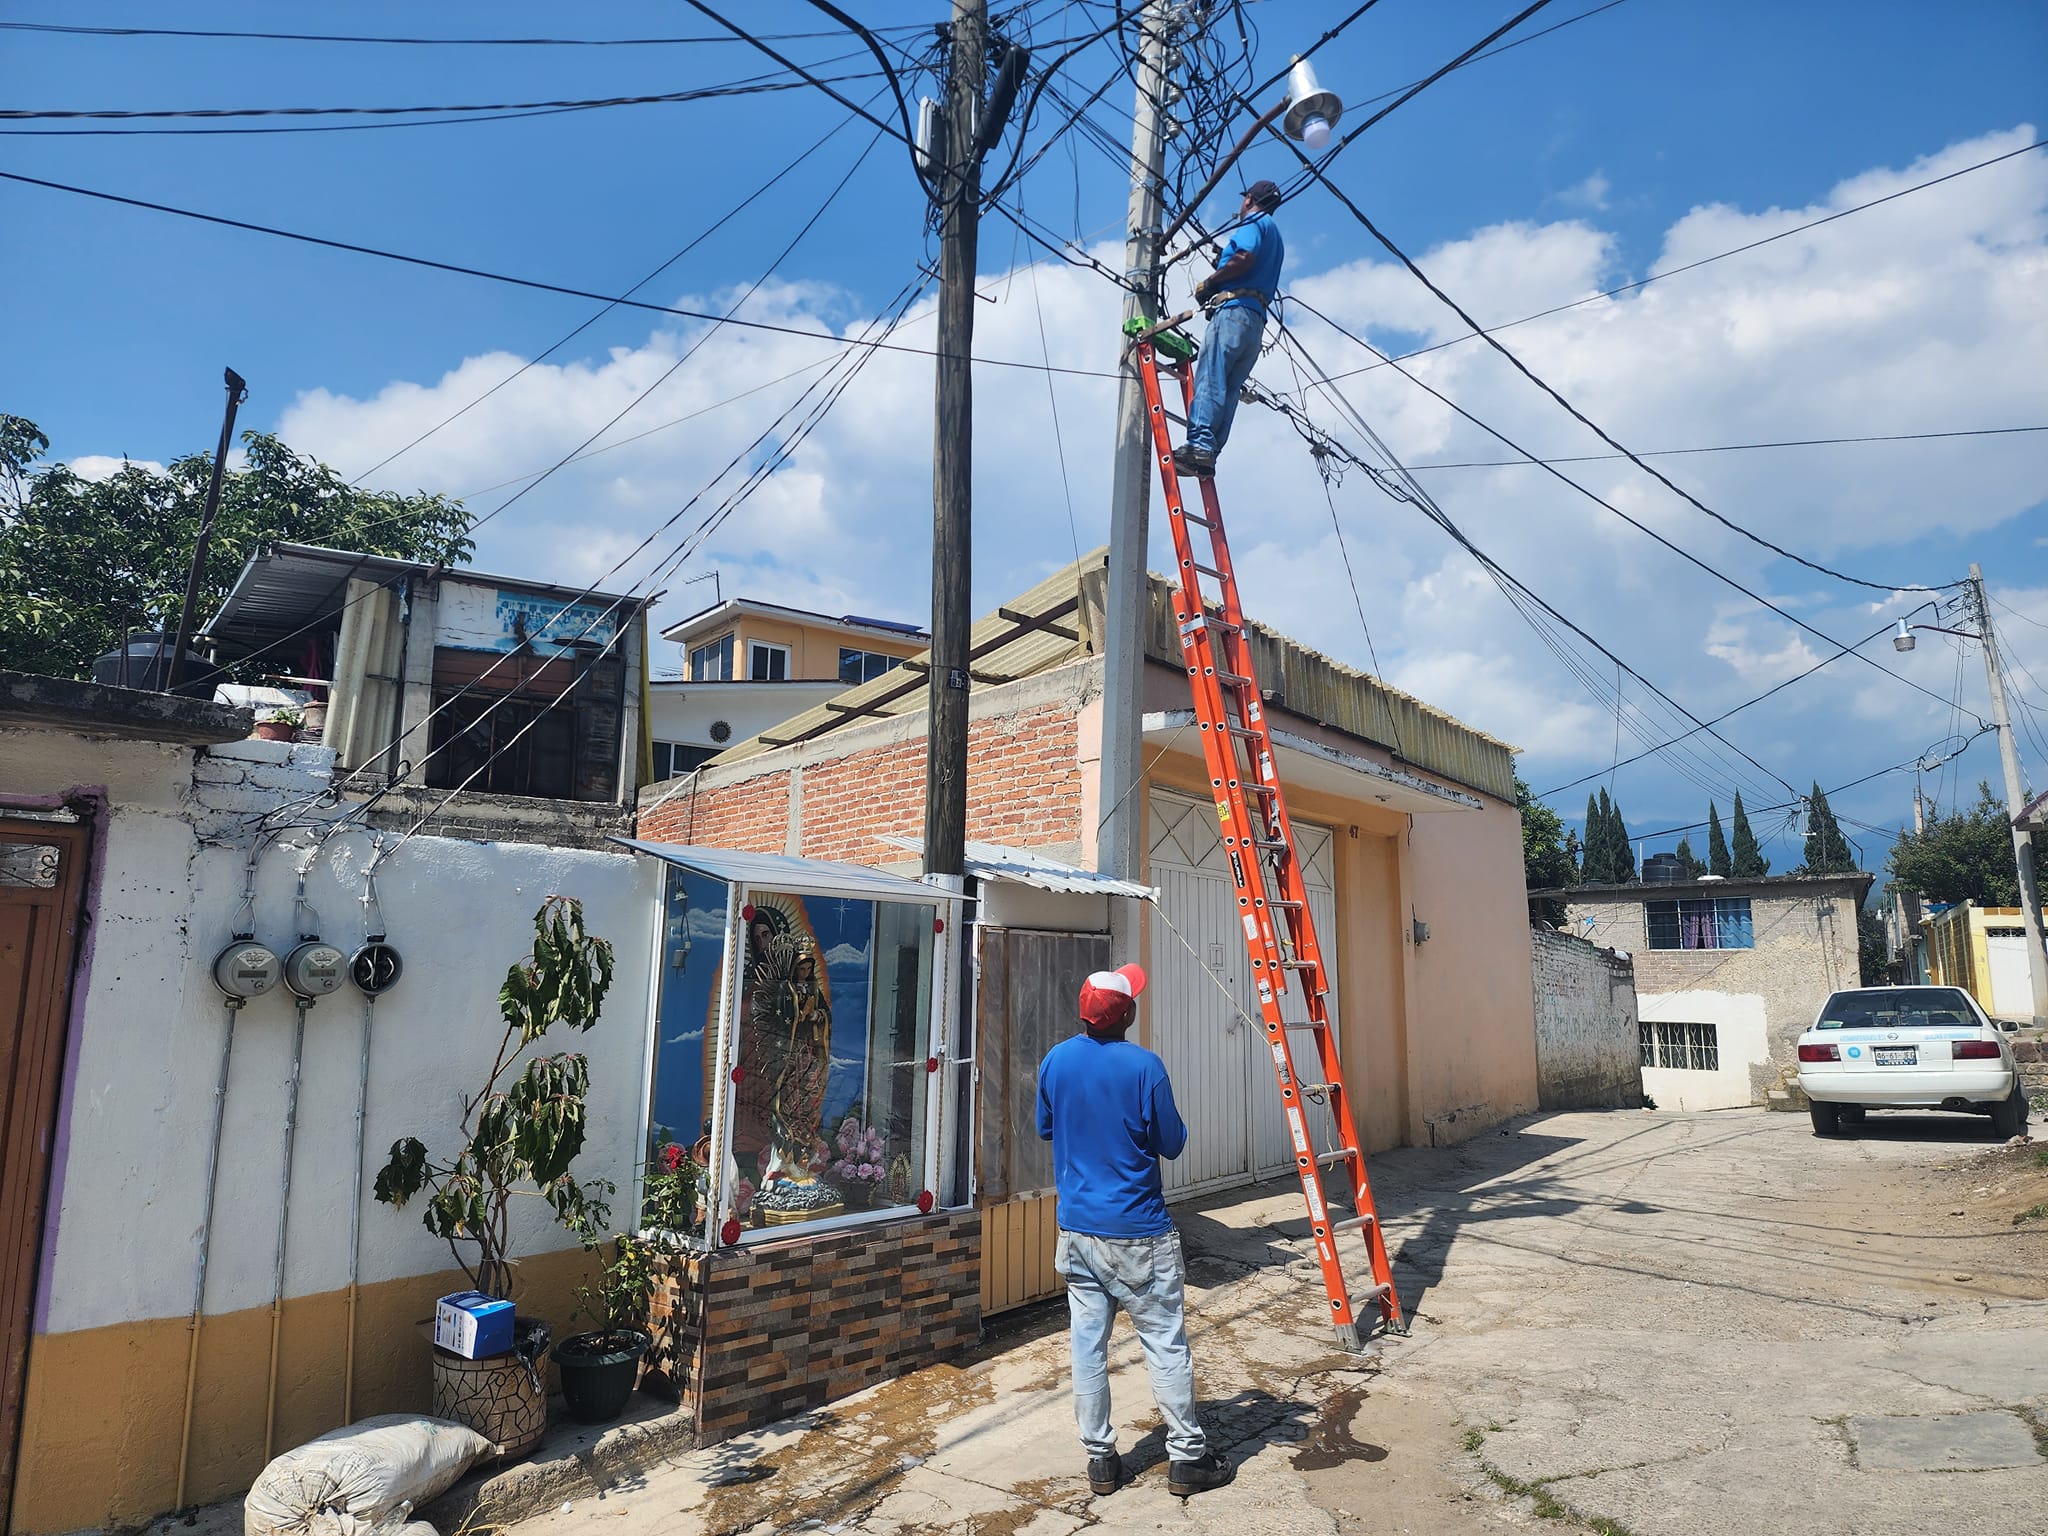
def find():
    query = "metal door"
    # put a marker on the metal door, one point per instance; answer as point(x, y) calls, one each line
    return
point(1203, 1012)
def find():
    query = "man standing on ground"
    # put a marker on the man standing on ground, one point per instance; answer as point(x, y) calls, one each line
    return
point(1236, 298)
point(1107, 1108)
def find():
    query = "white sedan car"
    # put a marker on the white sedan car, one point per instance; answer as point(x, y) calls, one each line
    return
point(1909, 1048)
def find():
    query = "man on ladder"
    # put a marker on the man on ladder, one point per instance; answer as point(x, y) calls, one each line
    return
point(1236, 298)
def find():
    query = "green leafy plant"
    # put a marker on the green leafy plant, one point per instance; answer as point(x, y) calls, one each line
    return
point(521, 1136)
point(670, 1203)
point(615, 1302)
point(291, 719)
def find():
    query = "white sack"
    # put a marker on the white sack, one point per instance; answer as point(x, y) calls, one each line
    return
point(358, 1479)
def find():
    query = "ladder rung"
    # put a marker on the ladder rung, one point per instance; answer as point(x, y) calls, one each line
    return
point(1195, 517)
point(1233, 679)
point(1352, 1224)
point(1294, 964)
point(1282, 901)
point(1272, 844)
point(1314, 1026)
point(1209, 570)
point(1315, 1088)
point(1243, 730)
point(1378, 1292)
point(1251, 788)
point(1331, 1159)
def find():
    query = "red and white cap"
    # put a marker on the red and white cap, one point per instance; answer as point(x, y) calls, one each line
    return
point(1107, 997)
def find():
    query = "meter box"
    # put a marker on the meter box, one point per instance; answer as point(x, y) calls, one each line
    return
point(246, 969)
point(315, 969)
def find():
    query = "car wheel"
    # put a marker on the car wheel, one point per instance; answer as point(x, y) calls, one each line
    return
point(2009, 1118)
point(1827, 1118)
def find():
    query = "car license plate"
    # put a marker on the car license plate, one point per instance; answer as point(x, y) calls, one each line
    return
point(1896, 1055)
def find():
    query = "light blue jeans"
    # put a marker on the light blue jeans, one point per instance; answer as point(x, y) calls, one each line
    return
point(1224, 363)
point(1147, 1277)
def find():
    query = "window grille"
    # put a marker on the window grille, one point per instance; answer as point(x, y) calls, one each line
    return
point(1682, 1047)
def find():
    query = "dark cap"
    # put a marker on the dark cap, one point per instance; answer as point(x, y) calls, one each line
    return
point(1263, 195)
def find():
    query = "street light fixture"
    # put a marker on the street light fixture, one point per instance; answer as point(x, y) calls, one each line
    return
point(1903, 640)
point(1311, 111)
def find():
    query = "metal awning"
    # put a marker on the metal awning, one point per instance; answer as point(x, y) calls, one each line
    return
point(779, 872)
point(993, 861)
point(1307, 764)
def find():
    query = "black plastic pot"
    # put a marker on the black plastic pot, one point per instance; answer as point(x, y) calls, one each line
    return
point(598, 1372)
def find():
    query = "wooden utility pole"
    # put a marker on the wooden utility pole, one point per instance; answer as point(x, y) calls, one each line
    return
point(959, 182)
point(237, 393)
point(2015, 802)
point(1120, 841)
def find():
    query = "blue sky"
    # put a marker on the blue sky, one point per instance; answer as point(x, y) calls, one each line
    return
point(1656, 131)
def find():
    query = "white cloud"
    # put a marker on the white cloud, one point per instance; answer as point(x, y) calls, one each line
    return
point(1590, 193)
point(98, 466)
point(1929, 313)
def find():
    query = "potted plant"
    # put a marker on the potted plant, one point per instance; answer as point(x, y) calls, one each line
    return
point(281, 725)
point(522, 1131)
point(600, 1367)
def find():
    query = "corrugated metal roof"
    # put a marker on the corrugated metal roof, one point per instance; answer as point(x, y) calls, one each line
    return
point(1019, 640)
point(1034, 633)
point(993, 861)
point(779, 872)
point(284, 588)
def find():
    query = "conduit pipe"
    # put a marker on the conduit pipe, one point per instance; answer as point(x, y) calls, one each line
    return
point(220, 1105)
point(373, 929)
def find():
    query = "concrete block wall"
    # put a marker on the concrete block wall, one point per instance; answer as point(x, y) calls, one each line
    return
point(1587, 1042)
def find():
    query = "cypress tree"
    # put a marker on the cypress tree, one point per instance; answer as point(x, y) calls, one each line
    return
point(1574, 853)
point(1692, 866)
point(1593, 859)
point(1746, 859)
point(1827, 851)
point(1717, 844)
point(1624, 850)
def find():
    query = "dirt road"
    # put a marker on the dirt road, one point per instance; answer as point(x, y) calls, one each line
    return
point(1632, 1322)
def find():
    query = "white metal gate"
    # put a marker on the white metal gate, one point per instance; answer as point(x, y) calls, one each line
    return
point(1203, 1011)
point(2012, 989)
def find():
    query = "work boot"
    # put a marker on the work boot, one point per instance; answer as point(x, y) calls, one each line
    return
point(1106, 1473)
point(1193, 461)
point(1206, 1471)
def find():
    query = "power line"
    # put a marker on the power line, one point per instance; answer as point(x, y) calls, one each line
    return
point(416, 42)
point(620, 301)
point(752, 85)
point(1582, 418)
point(705, 234)
point(1692, 266)
point(1797, 442)
point(1598, 500)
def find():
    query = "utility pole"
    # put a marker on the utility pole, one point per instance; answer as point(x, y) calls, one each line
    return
point(237, 393)
point(2015, 801)
point(1120, 837)
point(959, 181)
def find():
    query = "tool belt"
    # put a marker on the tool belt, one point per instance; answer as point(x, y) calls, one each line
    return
point(1216, 301)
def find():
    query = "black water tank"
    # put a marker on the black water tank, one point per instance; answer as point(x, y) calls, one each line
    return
point(144, 663)
point(1663, 869)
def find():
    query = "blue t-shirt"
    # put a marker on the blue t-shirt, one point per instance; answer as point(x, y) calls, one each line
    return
point(1107, 1109)
point(1261, 237)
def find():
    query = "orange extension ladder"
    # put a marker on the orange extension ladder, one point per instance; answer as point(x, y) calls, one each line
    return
point(1258, 837)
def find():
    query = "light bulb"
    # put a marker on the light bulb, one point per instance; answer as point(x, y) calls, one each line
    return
point(1315, 133)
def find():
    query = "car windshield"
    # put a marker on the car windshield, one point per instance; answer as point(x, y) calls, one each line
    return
point(1898, 1008)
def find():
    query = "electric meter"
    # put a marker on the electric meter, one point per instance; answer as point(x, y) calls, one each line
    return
point(314, 969)
point(246, 969)
point(375, 968)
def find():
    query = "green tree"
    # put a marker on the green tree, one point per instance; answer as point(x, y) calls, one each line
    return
point(1873, 953)
point(1717, 843)
point(1827, 851)
point(1746, 859)
point(1691, 864)
point(1593, 859)
point(82, 561)
point(1623, 857)
point(1963, 856)
point(1545, 862)
point(1574, 852)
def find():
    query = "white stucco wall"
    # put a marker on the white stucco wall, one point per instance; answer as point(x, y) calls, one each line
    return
point(1741, 1021)
point(684, 712)
point(127, 1181)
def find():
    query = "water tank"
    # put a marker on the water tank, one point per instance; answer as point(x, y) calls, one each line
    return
point(1663, 869)
point(144, 662)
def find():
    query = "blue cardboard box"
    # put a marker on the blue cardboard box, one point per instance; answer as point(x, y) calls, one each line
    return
point(473, 1325)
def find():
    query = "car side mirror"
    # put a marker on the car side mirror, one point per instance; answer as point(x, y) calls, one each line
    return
point(2010, 1026)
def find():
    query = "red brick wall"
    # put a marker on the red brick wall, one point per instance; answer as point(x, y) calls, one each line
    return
point(1023, 789)
point(779, 1328)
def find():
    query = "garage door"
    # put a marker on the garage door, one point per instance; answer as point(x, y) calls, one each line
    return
point(1204, 1012)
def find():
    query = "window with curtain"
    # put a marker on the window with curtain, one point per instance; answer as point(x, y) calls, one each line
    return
point(1716, 922)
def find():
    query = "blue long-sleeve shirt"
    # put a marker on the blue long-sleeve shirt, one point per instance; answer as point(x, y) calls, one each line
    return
point(1107, 1108)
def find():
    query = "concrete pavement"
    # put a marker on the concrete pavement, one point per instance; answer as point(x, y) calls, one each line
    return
point(1634, 1322)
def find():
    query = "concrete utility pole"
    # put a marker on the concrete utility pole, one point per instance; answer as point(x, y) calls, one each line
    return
point(2015, 801)
point(1120, 845)
point(959, 179)
point(237, 392)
